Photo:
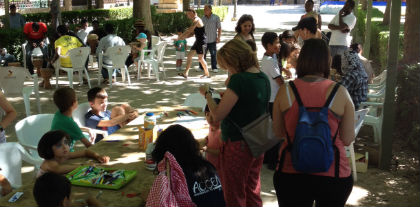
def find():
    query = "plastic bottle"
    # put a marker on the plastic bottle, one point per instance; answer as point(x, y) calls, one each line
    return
point(149, 121)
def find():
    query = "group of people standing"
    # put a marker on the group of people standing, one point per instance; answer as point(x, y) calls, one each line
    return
point(253, 88)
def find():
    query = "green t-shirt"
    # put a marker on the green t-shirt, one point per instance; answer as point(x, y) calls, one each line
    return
point(65, 123)
point(253, 91)
point(180, 45)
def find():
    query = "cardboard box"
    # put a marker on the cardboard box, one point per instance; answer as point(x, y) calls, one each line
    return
point(145, 137)
point(361, 162)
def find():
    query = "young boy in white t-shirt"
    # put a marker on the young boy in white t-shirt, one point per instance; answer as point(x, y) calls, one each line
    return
point(270, 65)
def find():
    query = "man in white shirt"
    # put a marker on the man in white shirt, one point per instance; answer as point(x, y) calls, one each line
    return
point(340, 27)
point(213, 31)
point(110, 40)
point(84, 31)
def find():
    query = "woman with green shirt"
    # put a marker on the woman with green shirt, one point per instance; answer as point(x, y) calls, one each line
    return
point(245, 99)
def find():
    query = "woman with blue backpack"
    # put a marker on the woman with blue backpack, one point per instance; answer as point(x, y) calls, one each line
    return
point(316, 115)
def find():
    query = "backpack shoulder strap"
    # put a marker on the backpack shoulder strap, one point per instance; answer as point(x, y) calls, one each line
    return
point(296, 93)
point(332, 94)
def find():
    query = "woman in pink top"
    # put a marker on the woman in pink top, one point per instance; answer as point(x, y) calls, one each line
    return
point(332, 187)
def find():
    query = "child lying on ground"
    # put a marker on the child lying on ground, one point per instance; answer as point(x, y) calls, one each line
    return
point(54, 148)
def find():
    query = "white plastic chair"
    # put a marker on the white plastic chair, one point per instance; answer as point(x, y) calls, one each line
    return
point(78, 57)
point(154, 59)
point(79, 118)
point(378, 81)
point(155, 40)
point(24, 53)
point(11, 156)
point(359, 118)
point(118, 55)
point(30, 130)
point(374, 119)
point(12, 80)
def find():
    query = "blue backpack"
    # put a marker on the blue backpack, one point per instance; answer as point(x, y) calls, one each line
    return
point(313, 149)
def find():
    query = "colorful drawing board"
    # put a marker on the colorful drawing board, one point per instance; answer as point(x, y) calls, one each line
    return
point(108, 178)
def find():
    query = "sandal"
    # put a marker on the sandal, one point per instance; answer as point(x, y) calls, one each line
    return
point(205, 76)
point(183, 75)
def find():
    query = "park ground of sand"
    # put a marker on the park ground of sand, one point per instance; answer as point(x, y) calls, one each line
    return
point(397, 187)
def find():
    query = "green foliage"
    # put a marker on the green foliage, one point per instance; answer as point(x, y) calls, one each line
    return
point(382, 42)
point(408, 103)
point(74, 17)
point(123, 28)
point(169, 22)
point(379, 38)
point(12, 41)
point(121, 18)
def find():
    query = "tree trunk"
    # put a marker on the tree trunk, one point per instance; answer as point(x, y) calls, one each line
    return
point(6, 14)
point(364, 4)
point(67, 5)
point(55, 14)
point(99, 4)
point(141, 10)
point(89, 4)
point(354, 32)
point(385, 21)
point(412, 32)
point(235, 4)
point(55, 19)
point(185, 5)
point(388, 119)
point(368, 31)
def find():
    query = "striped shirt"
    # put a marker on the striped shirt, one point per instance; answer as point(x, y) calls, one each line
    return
point(210, 26)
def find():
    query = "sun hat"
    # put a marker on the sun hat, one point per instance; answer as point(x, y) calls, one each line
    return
point(141, 36)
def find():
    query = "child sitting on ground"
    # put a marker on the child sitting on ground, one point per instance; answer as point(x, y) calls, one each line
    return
point(204, 184)
point(100, 118)
point(180, 48)
point(213, 140)
point(55, 190)
point(54, 148)
point(66, 101)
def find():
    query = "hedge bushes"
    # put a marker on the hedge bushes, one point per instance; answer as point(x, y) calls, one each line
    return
point(408, 104)
point(121, 18)
point(379, 38)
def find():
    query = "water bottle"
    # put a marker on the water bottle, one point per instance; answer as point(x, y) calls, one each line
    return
point(149, 121)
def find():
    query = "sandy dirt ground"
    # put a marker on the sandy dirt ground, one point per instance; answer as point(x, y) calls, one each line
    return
point(397, 187)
